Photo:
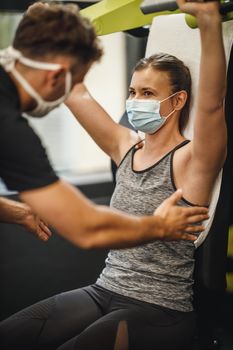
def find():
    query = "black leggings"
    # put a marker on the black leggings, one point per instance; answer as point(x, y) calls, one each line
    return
point(93, 318)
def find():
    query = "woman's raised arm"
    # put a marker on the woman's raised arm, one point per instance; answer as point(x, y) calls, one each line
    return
point(210, 136)
point(111, 137)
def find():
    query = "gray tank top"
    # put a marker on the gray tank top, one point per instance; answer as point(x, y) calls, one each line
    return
point(159, 272)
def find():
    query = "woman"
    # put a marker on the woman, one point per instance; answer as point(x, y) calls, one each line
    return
point(143, 298)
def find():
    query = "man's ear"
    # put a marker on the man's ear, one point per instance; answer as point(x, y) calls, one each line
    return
point(55, 77)
point(180, 100)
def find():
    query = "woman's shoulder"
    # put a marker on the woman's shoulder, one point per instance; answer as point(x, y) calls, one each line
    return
point(128, 143)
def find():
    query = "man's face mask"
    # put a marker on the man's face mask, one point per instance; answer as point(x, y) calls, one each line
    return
point(9, 56)
point(144, 115)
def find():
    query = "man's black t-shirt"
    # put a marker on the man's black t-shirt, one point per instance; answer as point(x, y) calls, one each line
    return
point(23, 161)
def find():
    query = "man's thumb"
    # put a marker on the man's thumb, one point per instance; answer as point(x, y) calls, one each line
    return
point(175, 197)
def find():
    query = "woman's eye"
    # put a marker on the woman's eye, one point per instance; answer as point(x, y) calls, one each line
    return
point(148, 93)
point(131, 93)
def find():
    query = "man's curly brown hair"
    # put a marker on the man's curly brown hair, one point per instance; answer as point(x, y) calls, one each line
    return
point(55, 29)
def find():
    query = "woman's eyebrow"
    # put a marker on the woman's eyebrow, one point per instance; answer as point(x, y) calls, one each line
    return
point(149, 88)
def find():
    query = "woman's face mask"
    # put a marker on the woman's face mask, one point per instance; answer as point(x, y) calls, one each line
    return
point(144, 115)
point(8, 58)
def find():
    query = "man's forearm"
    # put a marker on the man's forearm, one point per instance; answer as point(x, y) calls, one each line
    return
point(12, 212)
point(88, 225)
point(110, 228)
point(91, 226)
point(103, 227)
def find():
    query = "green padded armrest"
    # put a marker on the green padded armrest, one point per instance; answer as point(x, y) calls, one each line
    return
point(110, 16)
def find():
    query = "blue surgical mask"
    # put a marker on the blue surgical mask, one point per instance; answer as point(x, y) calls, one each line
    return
point(144, 115)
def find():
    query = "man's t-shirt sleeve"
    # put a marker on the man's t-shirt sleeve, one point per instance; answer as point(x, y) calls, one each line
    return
point(24, 164)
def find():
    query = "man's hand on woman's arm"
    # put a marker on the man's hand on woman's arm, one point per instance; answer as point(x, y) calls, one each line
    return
point(178, 221)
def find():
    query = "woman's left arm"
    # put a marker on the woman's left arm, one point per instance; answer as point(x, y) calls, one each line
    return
point(210, 134)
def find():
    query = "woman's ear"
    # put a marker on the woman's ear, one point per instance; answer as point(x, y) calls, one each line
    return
point(180, 99)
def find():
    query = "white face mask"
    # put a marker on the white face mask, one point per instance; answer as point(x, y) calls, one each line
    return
point(9, 56)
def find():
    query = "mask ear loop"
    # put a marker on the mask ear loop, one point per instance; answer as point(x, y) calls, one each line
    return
point(39, 65)
point(33, 92)
point(175, 93)
point(32, 63)
point(169, 114)
point(10, 55)
point(26, 85)
point(49, 66)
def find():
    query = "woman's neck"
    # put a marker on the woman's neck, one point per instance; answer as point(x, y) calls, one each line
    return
point(162, 141)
